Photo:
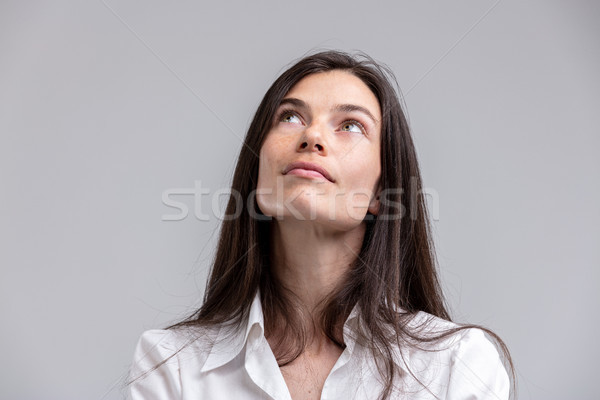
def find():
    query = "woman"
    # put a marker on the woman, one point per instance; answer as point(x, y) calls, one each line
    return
point(325, 285)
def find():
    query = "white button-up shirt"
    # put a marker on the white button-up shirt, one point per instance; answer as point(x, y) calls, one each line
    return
point(243, 366)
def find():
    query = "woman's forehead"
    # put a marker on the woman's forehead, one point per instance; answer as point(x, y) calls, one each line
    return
point(335, 87)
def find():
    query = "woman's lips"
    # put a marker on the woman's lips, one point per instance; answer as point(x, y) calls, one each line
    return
point(306, 173)
point(307, 169)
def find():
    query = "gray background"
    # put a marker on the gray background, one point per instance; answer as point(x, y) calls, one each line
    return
point(105, 105)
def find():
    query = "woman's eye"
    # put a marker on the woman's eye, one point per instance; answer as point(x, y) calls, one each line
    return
point(290, 118)
point(352, 126)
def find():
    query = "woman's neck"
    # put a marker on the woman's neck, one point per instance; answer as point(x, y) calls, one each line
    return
point(310, 260)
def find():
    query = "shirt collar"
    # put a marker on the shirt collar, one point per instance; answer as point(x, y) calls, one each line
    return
point(230, 342)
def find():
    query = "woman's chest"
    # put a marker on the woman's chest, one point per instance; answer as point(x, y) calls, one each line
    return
point(306, 376)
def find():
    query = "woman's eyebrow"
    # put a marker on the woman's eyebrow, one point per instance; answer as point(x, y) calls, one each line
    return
point(338, 107)
point(354, 107)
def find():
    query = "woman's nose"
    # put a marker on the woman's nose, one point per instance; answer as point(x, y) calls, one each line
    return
point(313, 140)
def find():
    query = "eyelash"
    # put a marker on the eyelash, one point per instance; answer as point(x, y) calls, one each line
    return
point(284, 113)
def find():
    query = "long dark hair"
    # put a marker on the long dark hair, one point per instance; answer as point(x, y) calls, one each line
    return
point(396, 266)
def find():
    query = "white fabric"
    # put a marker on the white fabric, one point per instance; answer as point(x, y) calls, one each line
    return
point(243, 367)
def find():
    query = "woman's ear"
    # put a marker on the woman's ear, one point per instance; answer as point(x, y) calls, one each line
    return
point(375, 203)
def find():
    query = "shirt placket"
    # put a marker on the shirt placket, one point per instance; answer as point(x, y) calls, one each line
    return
point(339, 384)
point(262, 367)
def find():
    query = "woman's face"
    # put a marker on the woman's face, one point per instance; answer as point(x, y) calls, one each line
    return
point(331, 120)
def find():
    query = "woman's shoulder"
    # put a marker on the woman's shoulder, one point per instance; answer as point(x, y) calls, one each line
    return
point(168, 338)
point(162, 339)
point(477, 367)
point(168, 349)
point(466, 357)
point(438, 334)
point(165, 343)
point(159, 357)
